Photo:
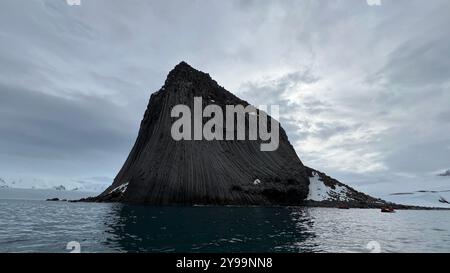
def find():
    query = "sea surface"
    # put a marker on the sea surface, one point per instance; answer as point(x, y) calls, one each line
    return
point(40, 226)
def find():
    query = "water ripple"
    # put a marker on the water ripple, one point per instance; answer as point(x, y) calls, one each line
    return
point(37, 226)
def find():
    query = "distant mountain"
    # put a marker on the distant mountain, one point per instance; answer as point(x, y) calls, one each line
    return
point(60, 188)
point(446, 173)
point(94, 184)
point(427, 198)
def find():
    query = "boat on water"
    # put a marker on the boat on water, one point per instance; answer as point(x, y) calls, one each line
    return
point(388, 210)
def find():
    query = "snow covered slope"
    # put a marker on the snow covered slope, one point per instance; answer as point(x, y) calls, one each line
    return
point(327, 191)
point(318, 191)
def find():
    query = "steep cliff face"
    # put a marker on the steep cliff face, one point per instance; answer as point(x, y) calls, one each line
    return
point(162, 171)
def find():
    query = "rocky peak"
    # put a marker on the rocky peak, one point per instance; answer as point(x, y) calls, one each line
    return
point(183, 74)
point(162, 171)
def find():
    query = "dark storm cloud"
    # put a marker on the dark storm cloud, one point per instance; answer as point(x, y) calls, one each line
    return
point(419, 157)
point(420, 63)
point(59, 127)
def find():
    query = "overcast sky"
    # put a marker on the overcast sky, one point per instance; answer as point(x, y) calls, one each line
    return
point(363, 90)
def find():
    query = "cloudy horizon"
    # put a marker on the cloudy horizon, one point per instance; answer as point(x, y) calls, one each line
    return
point(363, 90)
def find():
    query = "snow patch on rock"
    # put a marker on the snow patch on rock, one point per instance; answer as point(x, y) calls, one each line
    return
point(318, 191)
point(122, 188)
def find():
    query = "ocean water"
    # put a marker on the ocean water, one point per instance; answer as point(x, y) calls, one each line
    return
point(40, 226)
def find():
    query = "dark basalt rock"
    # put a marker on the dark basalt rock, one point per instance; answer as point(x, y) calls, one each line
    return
point(162, 171)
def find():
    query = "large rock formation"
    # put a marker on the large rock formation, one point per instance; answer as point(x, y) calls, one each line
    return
point(162, 171)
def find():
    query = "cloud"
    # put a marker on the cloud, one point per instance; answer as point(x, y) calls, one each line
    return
point(363, 90)
point(42, 132)
point(322, 136)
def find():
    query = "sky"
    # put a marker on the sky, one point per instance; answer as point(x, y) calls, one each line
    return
point(363, 89)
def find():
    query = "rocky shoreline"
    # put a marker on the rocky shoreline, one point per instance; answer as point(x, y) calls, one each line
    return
point(307, 204)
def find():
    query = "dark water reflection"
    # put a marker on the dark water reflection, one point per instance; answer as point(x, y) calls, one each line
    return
point(38, 226)
point(209, 229)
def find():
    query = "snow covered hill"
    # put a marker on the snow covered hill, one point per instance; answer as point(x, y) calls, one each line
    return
point(94, 184)
point(327, 191)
